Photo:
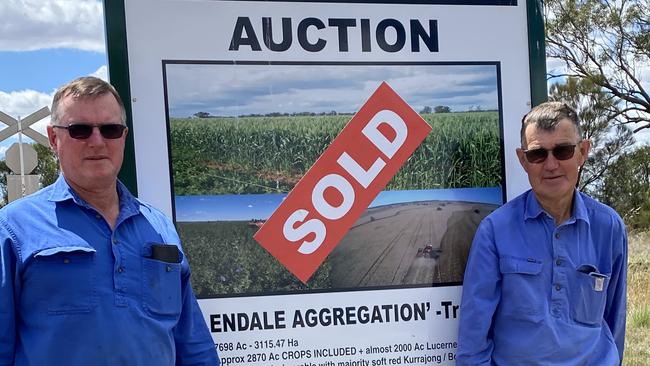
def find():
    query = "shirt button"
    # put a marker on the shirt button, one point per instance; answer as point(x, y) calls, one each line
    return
point(98, 216)
point(120, 269)
point(557, 235)
point(169, 268)
point(558, 262)
point(115, 241)
point(558, 287)
point(66, 260)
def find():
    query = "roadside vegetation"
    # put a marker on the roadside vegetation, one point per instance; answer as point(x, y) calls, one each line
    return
point(637, 340)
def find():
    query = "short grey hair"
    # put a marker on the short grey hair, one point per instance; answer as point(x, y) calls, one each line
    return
point(546, 117)
point(84, 87)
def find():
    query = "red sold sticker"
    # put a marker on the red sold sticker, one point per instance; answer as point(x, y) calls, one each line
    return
point(338, 188)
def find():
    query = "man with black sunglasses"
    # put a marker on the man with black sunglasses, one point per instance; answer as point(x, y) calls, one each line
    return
point(545, 282)
point(89, 274)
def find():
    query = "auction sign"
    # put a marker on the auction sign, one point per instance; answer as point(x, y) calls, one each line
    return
point(326, 163)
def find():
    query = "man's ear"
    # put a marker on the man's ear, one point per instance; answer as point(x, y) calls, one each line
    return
point(522, 159)
point(51, 137)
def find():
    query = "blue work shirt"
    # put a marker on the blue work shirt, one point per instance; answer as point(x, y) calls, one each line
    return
point(539, 294)
point(75, 292)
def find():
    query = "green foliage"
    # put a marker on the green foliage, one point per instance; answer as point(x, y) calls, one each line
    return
point(270, 154)
point(226, 260)
point(627, 187)
point(202, 114)
point(4, 170)
point(48, 165)
point(606, 42)
point(442, 109)
point(608, 141)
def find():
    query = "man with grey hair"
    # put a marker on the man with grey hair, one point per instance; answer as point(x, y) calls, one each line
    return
point(89, 274)
point(545, 282)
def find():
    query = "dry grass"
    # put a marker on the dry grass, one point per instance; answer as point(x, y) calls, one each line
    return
point(637, 338)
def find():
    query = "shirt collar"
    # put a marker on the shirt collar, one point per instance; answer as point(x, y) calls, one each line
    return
point(533, 209)
point(61, 191)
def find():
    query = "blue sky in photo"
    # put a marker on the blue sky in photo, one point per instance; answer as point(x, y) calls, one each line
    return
point(244, 207)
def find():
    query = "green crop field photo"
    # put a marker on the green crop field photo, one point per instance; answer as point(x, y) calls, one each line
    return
point(256, 155)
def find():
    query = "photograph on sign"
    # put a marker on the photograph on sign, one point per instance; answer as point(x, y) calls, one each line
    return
point(242, 135)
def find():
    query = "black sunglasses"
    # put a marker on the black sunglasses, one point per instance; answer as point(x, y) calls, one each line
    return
point(83, 131)
point(561, 152)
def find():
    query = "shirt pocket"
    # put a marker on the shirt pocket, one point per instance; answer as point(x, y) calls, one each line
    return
point(65, 278)
point(161, 287)
point(522, 290)
point(589, 297)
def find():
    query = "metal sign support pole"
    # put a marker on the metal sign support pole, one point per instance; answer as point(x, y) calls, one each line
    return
point(23, 186)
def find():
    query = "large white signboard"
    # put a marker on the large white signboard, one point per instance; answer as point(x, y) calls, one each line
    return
point(233, 101)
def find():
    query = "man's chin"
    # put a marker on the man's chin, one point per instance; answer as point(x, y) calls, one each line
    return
point(98, 178)
point(556, 191)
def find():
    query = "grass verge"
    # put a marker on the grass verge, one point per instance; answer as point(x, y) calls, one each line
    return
point(637, 339)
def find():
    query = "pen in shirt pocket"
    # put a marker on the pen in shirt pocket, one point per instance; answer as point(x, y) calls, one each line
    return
point(599, 281)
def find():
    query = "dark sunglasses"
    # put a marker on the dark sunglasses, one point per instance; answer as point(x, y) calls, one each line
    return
point(83, 131)
point(561, 152)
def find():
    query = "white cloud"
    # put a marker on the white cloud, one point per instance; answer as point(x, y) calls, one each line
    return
point(3, 151)
point(27, 25)
point(235, 90)
point(23, 103)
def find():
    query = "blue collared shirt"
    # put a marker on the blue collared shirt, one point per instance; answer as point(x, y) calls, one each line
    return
point(75, 292)
point(539, 294)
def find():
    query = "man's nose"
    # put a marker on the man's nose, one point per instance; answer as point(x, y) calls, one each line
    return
point(551, 162)
point(96, 136)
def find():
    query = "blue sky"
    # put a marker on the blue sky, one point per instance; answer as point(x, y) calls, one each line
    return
point(44, 44)
point(239, 207)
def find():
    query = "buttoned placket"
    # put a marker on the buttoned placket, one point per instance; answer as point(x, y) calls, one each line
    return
point(120, 272)
point(119, 265)
point(560, 238)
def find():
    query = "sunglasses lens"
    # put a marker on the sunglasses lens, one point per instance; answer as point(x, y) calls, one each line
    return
point(536, 156)
point(564, 152)
point(112, 131)
point(83, 131)
point(80, 131)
